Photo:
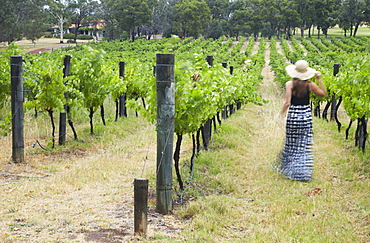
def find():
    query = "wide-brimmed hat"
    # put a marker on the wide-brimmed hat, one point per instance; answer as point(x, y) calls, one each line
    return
point(300, 70)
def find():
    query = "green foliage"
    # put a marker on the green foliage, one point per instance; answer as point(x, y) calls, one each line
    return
point(93, 77)
point(130, 13)
point(69, 36)
point(353, 86)
point(6, 124)
point(44, 79)
point(192, 16)
point(84, 37)
point(19, 17)
point(5, 55)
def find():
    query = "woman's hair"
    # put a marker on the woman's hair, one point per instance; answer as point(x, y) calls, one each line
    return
point(299, 87)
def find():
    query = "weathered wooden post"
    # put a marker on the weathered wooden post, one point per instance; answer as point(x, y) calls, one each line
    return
point(210, 61)
point(339, 124)
point(333, 99)
point(17, 109)
point(361, 133)
point(165, 83)
point(140, 206)
point(224, 113)
point(207, 127)
point(231, 106)
point(63, 115)
point(122, 98)
point(231, 70)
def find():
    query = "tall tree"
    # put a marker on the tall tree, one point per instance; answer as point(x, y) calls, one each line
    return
point(191, 17)
point(323, 18)
point(291, 18)
point(273, 16)
point(130, 14)
point(306, 12)
point(219, 9)
point(18, 15)
point(237, 24)
point(81, 10)
point(60, 13)
point(166, 17)
point(367, 13)
point(220, 14)
point(154, 25)
point(111, 24)
point(352, 14)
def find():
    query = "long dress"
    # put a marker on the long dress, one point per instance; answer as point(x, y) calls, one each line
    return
point(297, 156)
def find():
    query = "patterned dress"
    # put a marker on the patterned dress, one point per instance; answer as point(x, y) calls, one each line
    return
point(297, 157)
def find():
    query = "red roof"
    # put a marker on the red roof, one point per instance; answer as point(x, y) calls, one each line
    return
point(91, 24)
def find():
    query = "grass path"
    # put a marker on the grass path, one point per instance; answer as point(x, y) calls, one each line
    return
point(261, 205)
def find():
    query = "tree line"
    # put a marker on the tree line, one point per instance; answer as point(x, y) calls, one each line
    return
point(186, 18)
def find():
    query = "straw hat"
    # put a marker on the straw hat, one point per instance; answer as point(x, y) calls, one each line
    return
point(300, 70)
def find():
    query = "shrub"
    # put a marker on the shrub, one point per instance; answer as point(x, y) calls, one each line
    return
point(84, 37)
point(69, 36)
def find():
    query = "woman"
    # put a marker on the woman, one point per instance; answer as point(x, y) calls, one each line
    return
point(297, 157)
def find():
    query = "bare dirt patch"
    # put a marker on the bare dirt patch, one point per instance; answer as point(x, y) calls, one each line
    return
point(43, 44)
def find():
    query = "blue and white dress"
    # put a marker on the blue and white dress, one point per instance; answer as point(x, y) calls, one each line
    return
point(297, 156)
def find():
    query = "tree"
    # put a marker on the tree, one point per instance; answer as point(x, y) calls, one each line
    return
point(291, 17)
point(130, 14)
point(220, 11)
point(60, 12)
point(367, 13)
point(154, 25)
point(306, 12)
point(272, 17)
point(191, 16)
point(16, 16)
point(81, 10)
point(105, 11)
point(352, 14)
point(323, 15)
point(165, 16)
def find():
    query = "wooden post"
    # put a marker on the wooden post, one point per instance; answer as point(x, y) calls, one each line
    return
point(231, 70)
point(333, 99)
point(122, 98)
point(224, 113)
point(210, 61)
point(63, 115)
point(231, 106)
point(165, 83)
point(207, 127)
point(362, 132)
point(17, 109)
point(140, 206)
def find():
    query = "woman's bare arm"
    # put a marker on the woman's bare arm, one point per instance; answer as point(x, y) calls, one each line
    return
point(318, 90)
point(288, 96)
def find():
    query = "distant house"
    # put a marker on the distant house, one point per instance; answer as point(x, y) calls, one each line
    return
point(95, 29)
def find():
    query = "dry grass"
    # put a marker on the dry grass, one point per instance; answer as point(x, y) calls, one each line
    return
point(84, 193)
point(255, 204)
point(80, 193)
point(43, 44)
